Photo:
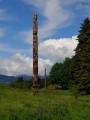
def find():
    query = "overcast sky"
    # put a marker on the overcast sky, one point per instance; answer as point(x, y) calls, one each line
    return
point(58, 25)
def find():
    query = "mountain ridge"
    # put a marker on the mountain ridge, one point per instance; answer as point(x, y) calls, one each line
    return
point(8, 79)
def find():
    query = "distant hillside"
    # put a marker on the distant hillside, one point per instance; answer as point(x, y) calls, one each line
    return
point(25, 77)
point(7, 79)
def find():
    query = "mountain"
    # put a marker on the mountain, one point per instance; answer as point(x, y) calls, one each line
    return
point(41, 77)
point(25, 77)
point(8, 79)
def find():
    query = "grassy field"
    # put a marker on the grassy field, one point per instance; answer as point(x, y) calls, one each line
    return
point(18, 104)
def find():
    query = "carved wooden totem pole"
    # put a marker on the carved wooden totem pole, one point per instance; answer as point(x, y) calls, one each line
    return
point(45, 80)
point(35, 54)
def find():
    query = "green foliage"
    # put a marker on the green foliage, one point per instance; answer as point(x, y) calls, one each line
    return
point(61, 73)
point(67, 73)
point(20, 79)
point(21, 84)
point(40, 83)
point(27, 84)
point(82, 60)
point(16, 104)
point(55, 73)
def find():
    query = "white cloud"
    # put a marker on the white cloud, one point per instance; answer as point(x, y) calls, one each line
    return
point(85, 8)
point(7, 48)
point(70, 2)
point(54, 50)
point(3, 47)
point(2, 32)
point(57, 14)
point(5, 16)
point(55, 18)
point(19, 64)
point(27, 36)
point(15, 65)
point(44, 63)
point(57, 49)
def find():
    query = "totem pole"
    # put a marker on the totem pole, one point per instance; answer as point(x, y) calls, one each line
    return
point(45, 79)
point(35, 54)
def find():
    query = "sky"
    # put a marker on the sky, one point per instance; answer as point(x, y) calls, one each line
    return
point(58, 24)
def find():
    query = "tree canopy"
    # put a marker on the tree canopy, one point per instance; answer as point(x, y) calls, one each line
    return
point(61, 73)
point(82, 60)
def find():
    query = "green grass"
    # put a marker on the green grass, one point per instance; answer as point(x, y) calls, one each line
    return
point(18, 104)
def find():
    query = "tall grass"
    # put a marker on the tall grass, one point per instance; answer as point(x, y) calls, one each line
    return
point(18, 104)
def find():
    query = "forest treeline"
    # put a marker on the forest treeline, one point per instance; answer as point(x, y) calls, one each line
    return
point(73, 73)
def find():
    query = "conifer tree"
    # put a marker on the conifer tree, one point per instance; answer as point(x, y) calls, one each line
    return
point(82, 60)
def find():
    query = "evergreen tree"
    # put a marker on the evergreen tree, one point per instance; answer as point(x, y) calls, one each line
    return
point(82, 60)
